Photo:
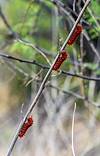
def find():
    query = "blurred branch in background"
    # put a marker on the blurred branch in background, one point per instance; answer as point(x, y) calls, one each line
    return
point(73, 123)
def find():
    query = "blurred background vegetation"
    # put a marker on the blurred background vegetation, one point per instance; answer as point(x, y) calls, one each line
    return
point(44, 24)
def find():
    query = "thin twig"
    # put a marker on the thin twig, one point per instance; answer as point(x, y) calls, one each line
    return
point(80, 76)
point(25, 15)
point(91, 45)
point(16, 69)
point(73, 122)
point(74, 5)
point(27, 43)
point(9, 57)
point(75, 95)
point(44, 82)
point(47, 67)
point(69, 92)
point(6, 22)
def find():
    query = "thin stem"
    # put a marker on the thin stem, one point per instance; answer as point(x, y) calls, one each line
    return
point(34, 47)
point(73, 123)
point(74, 5)
point(25, 15)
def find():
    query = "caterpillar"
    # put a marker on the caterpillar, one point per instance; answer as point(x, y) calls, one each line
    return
point(25, 127)
point(61, 58)
point(75, 34)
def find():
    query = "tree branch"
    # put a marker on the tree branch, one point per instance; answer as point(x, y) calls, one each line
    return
point(34, 62)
